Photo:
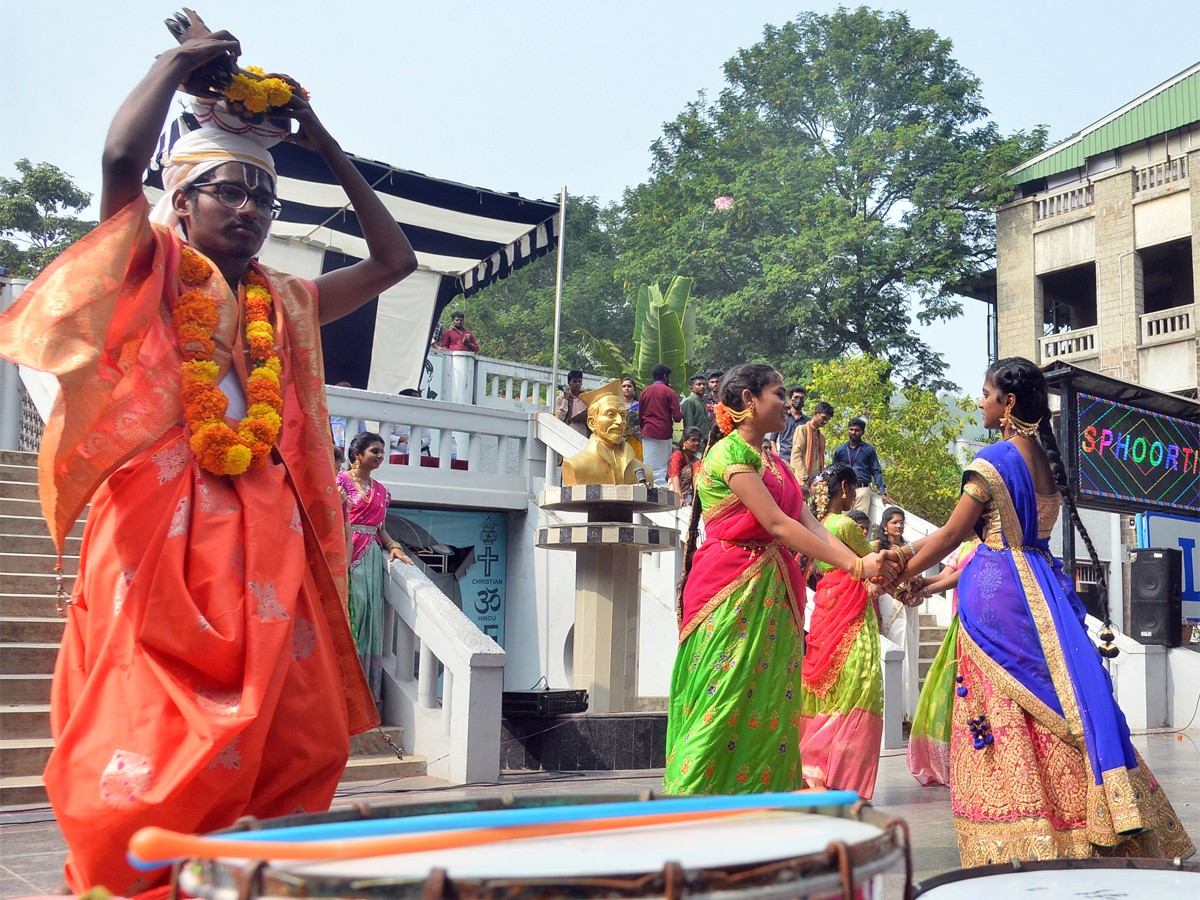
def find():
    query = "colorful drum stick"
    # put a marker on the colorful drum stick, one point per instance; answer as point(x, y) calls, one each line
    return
point(152, 848)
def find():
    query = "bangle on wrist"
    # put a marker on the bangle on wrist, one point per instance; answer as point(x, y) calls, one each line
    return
point(857, 574)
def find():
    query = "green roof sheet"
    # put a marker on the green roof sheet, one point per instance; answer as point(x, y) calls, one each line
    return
point(1173, 104)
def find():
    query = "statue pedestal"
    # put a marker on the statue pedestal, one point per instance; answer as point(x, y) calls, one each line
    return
point(608, 580)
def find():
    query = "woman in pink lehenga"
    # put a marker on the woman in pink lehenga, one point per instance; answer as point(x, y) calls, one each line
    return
point(841, 724)
point(369, 501)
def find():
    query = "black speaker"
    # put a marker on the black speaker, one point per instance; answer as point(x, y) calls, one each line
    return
point(1156, 589)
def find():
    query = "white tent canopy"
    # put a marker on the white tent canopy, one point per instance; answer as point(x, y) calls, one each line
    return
point(464, 237)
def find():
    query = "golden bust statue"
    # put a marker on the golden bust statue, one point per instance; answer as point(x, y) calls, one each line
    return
point(607, 458)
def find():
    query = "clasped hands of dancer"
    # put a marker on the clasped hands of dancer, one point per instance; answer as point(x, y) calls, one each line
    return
point(908, 590)
point(881, 568)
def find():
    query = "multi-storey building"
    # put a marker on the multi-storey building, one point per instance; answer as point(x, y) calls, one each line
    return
point(1096, 264)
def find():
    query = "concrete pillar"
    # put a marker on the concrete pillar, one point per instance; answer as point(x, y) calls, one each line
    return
point(1019, 310)
point(1119, 293)
point(607, 586)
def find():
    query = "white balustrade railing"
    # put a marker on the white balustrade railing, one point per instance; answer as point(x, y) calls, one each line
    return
point(467, 455)
point(1064, 201)
point(425, 635)
point(1168, 325)
point(1159, 174)
point(495, 383)
point(1074, 344)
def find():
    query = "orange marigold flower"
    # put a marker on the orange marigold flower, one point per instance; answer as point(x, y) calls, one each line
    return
point(193, 268)
point(202, 401)
point(258, 309)
point(258, 455)
point(260, 348)
point(260, 391)
point(257, 431)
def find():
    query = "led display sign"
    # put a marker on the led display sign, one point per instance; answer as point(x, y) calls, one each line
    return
point(1133, 455)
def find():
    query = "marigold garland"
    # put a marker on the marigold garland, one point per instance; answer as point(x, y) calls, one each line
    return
point(253, 95)
point(220, 449)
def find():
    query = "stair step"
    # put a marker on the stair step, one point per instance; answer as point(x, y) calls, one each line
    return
point(22, 792)
point(31, 629)
point(932, 634)
point(37, 583)
point(34, 563)
point(10, 506)
point(37, 543)
point(18, 490)
point(27, 721)
point(25, 688)
point(926, 619)
point(27, 659)
point(923, 670)
point(30, 521)
point(18, 457)
point(382, 767)
point(372, 743)
point(19, 605)
point(19, 473)
point(24, 757)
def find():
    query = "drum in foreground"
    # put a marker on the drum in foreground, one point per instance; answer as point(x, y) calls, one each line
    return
point(832, 852)
point(1063, 879)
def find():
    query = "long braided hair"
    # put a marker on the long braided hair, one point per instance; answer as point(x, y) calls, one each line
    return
point(1020, 377)
point(753, 377)
point(831, 480)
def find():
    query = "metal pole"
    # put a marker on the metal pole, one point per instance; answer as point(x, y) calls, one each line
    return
point(558, 289)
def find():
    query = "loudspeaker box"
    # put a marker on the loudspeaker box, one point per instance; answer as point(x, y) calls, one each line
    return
point(1155, 590)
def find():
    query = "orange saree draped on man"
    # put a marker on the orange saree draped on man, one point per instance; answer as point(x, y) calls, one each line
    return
point(207, 630)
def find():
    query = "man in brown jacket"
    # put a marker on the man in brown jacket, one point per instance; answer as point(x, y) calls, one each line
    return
point(808, 445)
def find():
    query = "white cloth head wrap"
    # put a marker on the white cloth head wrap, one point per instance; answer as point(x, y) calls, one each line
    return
point(221, 138)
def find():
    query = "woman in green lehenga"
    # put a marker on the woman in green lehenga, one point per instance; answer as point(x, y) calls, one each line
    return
point(734, 708)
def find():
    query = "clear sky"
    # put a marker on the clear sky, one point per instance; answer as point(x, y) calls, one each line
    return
point(531, 97)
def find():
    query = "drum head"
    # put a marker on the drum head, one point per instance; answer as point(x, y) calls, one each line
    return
point(1109, 879)
point(747, 839)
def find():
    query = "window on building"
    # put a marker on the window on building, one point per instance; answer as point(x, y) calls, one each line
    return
point(1069, 299)
point(1167, 276)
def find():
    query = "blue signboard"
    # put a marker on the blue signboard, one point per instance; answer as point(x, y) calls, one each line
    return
point(465, 554)
point(1161, 530)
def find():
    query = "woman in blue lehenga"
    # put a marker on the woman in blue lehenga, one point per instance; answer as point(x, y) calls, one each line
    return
point(1041, 765)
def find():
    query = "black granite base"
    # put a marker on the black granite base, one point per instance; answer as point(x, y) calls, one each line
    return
point(612, 742)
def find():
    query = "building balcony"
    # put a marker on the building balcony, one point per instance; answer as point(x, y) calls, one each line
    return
point(1070, 346)
point(1057, 204)
point(1168, 326)
point(1167, 349)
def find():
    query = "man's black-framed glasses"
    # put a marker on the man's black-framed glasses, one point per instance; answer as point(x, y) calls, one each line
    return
point(233, 196)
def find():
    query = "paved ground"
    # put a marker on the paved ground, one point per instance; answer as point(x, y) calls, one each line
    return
point(32, 850)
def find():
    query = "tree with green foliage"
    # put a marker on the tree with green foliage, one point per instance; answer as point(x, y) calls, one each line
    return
point(911, 428)
point(35, 208)
point(844, 174)
point(514, 318)
point(664, 331)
